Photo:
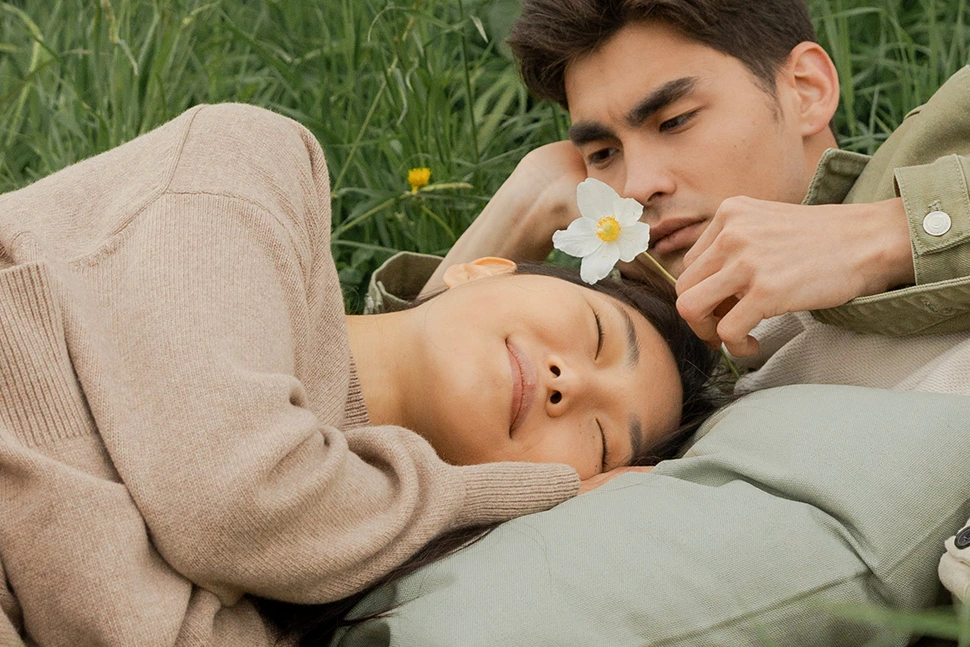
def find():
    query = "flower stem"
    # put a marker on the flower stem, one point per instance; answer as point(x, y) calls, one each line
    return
point(660, 268)
point(667, 275)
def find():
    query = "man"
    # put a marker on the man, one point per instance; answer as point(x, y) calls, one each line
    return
point(716, 117)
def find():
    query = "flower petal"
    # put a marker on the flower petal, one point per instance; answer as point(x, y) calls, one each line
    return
point(578, 239)
point(627, 211)
point(598, 264)
point(595, 198)
point(633, 239)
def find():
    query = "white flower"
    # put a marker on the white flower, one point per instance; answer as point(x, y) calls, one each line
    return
point(608, 231)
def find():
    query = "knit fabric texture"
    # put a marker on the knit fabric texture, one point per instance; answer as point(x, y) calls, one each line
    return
point(180, 420)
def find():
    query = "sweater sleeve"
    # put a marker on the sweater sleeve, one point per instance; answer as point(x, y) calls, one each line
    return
point(226, 420)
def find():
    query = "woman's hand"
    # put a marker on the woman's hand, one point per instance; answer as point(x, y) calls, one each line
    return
point(595, 481)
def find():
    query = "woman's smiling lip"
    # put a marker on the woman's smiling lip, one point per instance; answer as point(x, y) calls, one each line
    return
point(523, 385)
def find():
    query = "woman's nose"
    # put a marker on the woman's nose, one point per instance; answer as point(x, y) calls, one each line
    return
point(562, 386)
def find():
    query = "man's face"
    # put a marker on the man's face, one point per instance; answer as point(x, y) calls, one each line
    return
point(681, 127)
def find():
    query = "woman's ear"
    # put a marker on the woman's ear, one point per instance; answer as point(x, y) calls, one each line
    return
point(477, 269)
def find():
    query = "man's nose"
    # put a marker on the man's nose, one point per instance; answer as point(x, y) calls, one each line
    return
point(648, 181)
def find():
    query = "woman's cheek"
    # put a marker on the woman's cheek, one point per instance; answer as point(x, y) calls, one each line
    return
point(559, 445)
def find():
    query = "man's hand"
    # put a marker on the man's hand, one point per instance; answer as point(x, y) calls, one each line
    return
point(760, 259)
point(518, 222)
point(594, 482)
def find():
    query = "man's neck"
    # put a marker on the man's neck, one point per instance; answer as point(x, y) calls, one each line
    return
point(815, 147)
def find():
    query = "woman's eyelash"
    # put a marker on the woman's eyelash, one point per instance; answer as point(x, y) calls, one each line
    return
point(605, 447)
point(599, 333)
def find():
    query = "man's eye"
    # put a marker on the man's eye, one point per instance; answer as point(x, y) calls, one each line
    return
point(677, 122)
point(601, 156)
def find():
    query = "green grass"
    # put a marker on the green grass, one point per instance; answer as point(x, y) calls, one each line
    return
point(386, 86)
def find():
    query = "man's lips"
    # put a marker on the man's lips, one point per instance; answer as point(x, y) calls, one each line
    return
point(523, 385)
point(674, 234)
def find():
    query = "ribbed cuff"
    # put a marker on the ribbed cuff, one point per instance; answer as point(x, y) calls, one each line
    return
point(40, 399)
point(502, 491)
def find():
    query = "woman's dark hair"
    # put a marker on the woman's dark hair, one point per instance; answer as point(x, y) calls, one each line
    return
point(655, 299)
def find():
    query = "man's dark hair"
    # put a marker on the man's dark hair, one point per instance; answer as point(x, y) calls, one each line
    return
point(552, 33)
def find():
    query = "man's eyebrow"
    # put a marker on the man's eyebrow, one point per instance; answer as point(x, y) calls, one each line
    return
point(584, 132)
point(666, 94)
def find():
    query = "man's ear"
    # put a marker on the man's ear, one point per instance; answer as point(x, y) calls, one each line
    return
point(811, 73)
point(477, 269)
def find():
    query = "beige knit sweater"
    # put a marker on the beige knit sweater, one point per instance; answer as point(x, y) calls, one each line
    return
point(180, 421)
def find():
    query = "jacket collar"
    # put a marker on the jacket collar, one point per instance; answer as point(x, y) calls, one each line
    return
point(835, 175)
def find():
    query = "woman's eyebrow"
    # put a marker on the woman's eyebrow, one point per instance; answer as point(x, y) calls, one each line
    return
point(632, 339)
point(636, 438)
point(633, 358)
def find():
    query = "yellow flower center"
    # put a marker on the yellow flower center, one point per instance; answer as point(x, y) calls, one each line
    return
point(608, 229)
point(418, 177)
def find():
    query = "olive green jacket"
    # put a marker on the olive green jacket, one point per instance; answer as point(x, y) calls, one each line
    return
point(926, 162)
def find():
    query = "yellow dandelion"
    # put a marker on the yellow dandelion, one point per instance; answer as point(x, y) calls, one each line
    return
point(418, 177)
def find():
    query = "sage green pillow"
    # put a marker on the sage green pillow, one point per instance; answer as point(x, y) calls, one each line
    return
point(793, 503)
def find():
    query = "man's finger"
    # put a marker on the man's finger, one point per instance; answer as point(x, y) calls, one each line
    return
point(745, 348)
point(705, 240)
point(704, 265)
point(698, 305)
point(735, 326)
point(725, 306)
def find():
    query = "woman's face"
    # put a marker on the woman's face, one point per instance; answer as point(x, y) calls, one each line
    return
point(534, 368)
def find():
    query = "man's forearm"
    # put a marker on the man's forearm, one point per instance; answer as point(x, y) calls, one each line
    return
point(518, 222)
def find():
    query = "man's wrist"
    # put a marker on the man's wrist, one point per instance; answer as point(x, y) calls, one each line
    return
point(897, 256)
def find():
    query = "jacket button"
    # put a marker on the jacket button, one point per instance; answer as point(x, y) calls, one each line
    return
point(963, 538)
point(936, 223)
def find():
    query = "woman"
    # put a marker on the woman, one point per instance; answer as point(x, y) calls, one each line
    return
point(188, 419)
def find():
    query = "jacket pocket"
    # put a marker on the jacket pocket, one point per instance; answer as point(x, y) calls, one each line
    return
point(40, 398)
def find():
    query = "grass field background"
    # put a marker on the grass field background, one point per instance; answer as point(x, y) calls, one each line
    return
point(386, 86)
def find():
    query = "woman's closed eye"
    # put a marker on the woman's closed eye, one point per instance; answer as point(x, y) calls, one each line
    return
point(599, 334)
point(604, 462)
